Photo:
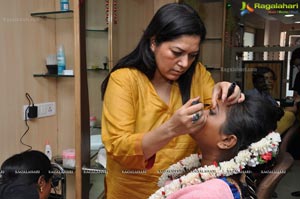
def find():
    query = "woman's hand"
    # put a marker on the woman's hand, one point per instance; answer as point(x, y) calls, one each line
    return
point(220, 91)
point(188, 119)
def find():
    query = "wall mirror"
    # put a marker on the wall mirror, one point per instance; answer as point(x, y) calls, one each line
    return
point(274, 70)
point(254, 33)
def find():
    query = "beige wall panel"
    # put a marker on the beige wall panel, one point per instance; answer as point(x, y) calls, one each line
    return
point(210, 53)
point(132, 18)
point(25, 42)
point(159, 3)
point(213, 20)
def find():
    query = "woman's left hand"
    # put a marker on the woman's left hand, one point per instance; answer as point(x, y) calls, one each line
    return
point(220, 92)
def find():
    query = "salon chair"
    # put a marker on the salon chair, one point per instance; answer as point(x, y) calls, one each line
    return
point(58, 182)
point(287, 137)
point(263, 185)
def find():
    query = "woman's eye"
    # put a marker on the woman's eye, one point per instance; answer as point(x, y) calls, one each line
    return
point(212, 112)
point(193, 56)
point(177, 54)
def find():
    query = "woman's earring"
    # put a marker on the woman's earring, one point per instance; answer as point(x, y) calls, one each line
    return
point(41, 189)
point(152, 46)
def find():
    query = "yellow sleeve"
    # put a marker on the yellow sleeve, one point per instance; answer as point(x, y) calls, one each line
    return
point(285, 122)
point(118, 121)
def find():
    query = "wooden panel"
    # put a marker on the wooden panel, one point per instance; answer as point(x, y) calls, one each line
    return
point(133, 17)
point(159, 3)
point(212, 16)
point(25, 42)
point(211, 53)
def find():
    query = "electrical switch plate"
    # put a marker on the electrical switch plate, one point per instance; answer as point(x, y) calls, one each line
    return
point(44, 109)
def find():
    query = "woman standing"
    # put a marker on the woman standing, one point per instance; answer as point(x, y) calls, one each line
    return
point(149, 109)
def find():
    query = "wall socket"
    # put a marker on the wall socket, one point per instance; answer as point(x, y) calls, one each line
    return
point(44, 109)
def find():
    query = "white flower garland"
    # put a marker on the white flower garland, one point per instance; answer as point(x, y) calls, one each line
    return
point(257, 153)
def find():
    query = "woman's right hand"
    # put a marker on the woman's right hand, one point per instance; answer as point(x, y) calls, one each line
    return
point(187, 119)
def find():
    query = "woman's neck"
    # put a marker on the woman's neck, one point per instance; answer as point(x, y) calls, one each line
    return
point(162, 87)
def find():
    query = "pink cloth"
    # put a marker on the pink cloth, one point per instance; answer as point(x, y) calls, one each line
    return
point(211, 189)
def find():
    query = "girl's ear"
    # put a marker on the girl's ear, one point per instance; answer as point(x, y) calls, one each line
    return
point(41, 183)
point(227, 142)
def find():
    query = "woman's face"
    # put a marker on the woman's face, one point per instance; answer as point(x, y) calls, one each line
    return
point(173, 58)
point(211, 133)
point(297, 63)
point(269, 80)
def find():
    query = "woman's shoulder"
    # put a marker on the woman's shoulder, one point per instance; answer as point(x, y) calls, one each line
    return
point(202, 75)
point(128, 74)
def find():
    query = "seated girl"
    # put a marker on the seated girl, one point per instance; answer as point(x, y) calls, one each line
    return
point(26, 175)
point(233, 138)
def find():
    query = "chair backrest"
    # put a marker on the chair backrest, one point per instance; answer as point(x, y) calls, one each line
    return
point(262, 185)
point(284, 161)
point(288, 135)
point(268, 184)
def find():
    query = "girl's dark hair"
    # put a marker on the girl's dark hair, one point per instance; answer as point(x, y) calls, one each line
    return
point(251, 120)
point(26, 168)
point(170, 22)
point(295, 55)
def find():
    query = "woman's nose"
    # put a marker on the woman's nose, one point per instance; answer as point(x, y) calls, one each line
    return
point(184, 61)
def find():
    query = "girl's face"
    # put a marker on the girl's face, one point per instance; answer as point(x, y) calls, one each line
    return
point(211, 133)
point(173, 58)
point(45, 188)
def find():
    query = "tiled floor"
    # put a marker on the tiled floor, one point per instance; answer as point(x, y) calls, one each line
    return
point(290, 182)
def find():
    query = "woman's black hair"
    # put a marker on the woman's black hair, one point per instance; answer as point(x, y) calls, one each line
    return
point(251, 120)
point(170, 22)
point(26, 168)
point(295, 55)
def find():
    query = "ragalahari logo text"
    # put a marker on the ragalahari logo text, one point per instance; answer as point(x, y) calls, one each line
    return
point(246, 8)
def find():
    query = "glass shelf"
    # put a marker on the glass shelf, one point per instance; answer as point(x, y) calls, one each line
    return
point(96, 30)
point(51, 75)
point(54, 14)
point(97, 69)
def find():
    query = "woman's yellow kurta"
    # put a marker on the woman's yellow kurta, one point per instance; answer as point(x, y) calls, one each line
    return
point(132, 108)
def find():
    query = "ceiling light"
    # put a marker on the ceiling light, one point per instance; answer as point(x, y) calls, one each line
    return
point(289, 15)
point(297, 22)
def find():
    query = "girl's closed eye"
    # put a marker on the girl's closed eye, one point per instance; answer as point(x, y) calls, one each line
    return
point(212, 112)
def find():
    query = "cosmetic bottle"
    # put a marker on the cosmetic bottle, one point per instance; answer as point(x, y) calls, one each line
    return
point(64, 5)
point(61, 60)
point(48, 150)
